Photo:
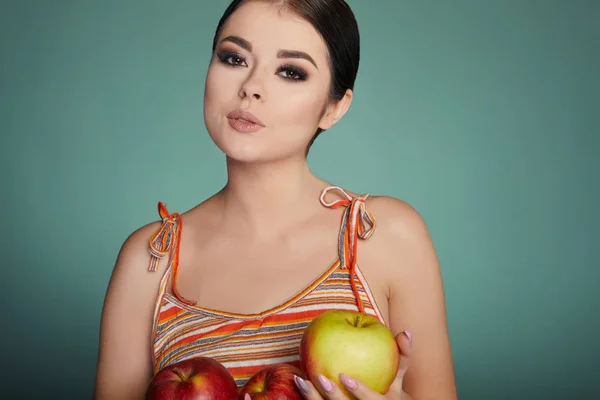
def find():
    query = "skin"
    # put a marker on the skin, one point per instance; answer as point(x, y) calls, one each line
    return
point(236, 241)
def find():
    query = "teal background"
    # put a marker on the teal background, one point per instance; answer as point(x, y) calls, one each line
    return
point(483, 115)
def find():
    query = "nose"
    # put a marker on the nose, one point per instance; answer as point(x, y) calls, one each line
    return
point(253, 88)
point(250, 93)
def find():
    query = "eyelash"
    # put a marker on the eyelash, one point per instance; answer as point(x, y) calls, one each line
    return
point(300, 74)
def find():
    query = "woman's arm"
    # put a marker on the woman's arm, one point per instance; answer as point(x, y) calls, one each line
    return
point(416, 298)
point(124, 366)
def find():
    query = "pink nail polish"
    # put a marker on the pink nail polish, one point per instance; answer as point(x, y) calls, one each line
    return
point(325, 383)
point(348, 382)
point(408, 336)
point(301, 384)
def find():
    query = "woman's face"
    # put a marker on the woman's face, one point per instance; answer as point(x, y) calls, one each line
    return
point(274, 65)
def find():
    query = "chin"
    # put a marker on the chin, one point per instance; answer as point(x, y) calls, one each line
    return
point(254, 150)
point(263, 146)
point(233, 144)
point(242, 149)
point(246, 154)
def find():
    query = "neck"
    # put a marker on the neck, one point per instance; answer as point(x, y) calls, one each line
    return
point(263, 199)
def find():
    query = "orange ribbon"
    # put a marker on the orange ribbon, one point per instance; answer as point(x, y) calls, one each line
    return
point(357, 222)
point(167, 241)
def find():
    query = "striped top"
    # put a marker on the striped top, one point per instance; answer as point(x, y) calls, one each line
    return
point(245, 343)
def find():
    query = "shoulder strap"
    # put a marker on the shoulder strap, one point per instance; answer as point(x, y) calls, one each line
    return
point(357, 222)
point(165, 241)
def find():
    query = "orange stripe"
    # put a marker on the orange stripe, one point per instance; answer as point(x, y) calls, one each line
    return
point(265, 355)
point(256, 349)
point(223, 330)
point(288, 318)
point(168, 314)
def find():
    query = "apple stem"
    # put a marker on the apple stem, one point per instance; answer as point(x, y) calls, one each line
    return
point(179, 374)
point(357, 320)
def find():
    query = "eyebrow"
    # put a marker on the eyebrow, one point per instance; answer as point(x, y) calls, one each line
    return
point(296, 54)
point(244, 44)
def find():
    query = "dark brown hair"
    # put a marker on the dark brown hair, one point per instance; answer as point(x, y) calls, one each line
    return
point(335, 22)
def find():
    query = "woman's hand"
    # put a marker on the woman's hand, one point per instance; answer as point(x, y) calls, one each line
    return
point(359, 389)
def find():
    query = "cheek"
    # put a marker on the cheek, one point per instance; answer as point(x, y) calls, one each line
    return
point(219, 90)
point(300, 107)
point(213, 89)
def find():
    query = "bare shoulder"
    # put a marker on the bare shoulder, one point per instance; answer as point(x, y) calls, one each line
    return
point(397, 219)
point(402, 236)
point(135, 249)
point(130, 273)
point(124, 364)
point(416, 295)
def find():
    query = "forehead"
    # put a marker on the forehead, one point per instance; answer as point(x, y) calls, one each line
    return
point(270, 27)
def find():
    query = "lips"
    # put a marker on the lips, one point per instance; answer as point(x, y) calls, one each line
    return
point(245, 116)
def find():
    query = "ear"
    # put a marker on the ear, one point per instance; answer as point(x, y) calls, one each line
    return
point(336, 110)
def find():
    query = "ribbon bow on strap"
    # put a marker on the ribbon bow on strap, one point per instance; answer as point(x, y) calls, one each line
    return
point(166, 241)
point(357, 222)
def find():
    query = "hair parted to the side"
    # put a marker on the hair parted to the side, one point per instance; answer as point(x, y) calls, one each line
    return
point(335, 22)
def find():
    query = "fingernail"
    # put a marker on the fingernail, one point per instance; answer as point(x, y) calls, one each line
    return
point(408, 336)
point(348, 382)
point(325, 383)
point(301, 384)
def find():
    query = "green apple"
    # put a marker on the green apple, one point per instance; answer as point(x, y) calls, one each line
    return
point(353, 343)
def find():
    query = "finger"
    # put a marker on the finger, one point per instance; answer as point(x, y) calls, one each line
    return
point(359, 389)
point(309, 392)
point(326, 389)
point(331, 390)
point(404, 341)
point(247, 397)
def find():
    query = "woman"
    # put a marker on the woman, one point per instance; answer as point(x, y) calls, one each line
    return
point(246, 270)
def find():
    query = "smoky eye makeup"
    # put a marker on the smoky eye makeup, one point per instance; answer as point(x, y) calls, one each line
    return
point(232, 58)
point(288, 72)
point(292, 73)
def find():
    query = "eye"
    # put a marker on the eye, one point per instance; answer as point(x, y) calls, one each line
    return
point(231, 58)
point(292, 73)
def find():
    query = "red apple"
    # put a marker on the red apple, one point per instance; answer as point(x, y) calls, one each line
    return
point(198, 378)
point(274, 382)
point(353, 343)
